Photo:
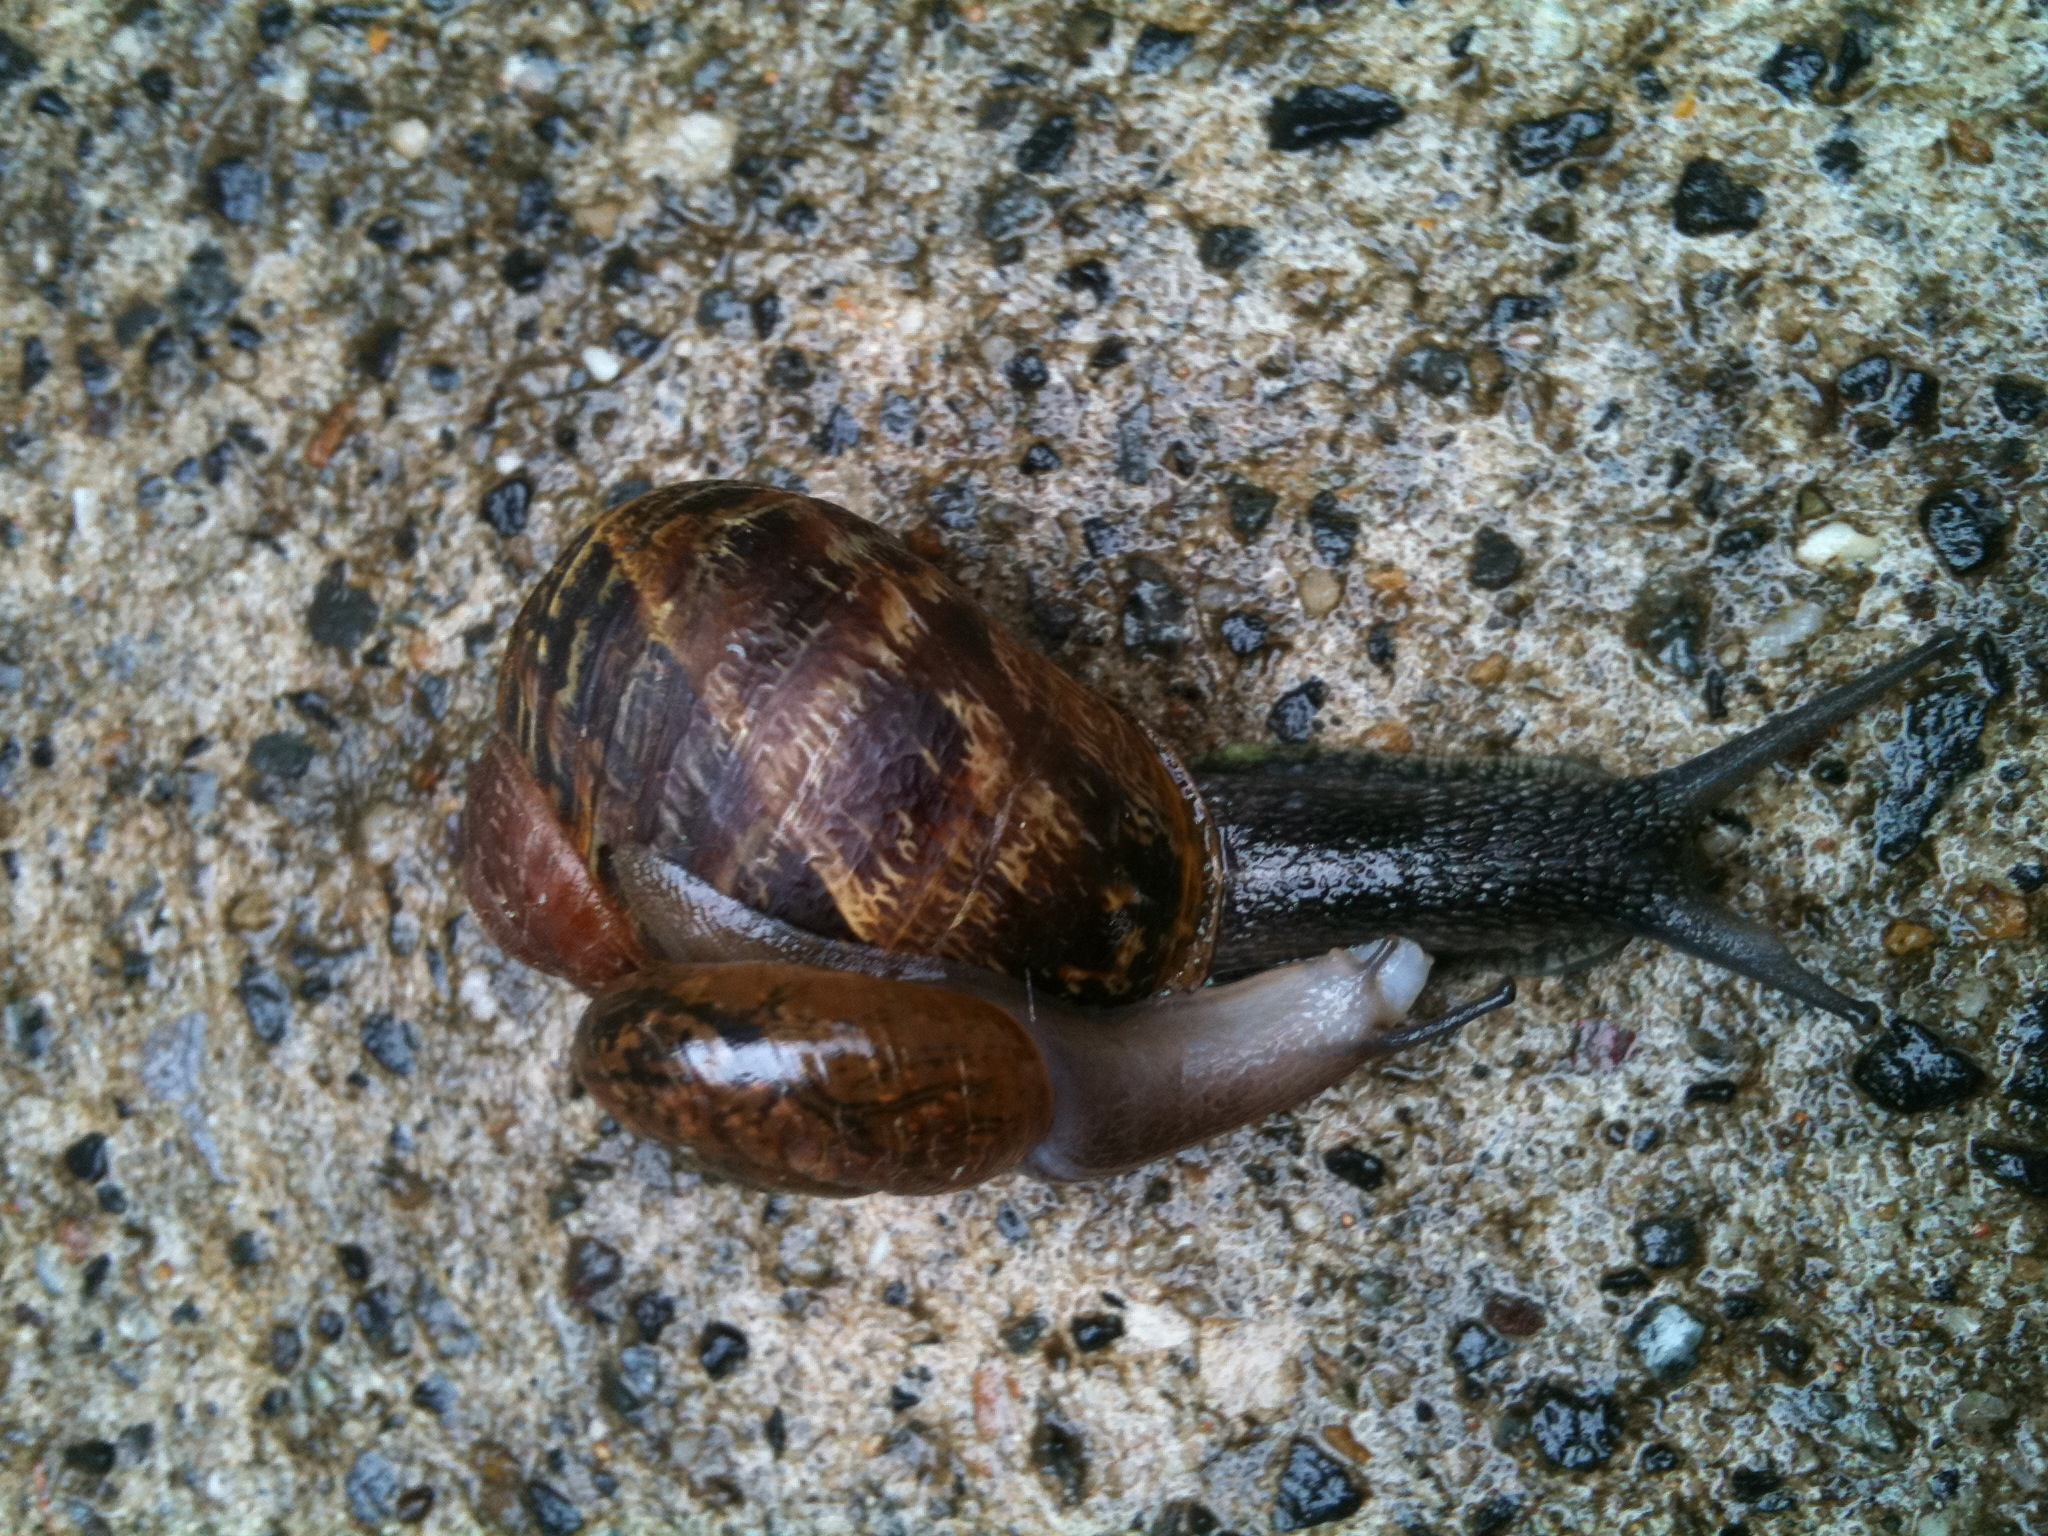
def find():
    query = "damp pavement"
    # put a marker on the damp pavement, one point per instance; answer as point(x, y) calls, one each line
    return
point(1398, 378)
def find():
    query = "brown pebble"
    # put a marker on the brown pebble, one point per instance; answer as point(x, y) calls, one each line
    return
point(1903, 937)
point(1489, 670)
point(332, 434)
point(251, 910)
point(1388, 736)
point(1320, 591)
point(1967, 144)
point(1514, 1317)
point(1996, 914)
point(1340, 1439)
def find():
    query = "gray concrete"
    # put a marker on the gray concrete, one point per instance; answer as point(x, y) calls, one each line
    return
point(155, 631)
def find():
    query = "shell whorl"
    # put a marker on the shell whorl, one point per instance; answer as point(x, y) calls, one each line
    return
point(774, 694)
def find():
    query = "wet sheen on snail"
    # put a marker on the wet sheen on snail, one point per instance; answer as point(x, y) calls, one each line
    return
point(871, 897)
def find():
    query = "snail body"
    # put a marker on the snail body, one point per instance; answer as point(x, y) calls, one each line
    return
point(872, 897)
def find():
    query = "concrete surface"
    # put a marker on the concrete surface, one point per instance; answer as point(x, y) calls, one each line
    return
point(251, 608)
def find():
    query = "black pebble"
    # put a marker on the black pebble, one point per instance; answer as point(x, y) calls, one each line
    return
point(505, 506)
point(97, 1269)
point(1094, 1331)
point(134, 321)
point(2019, 401)
point(247, 1250)
point(902, 1399)
point(800, 219)
point(1666, 1242)
point(1496, 560)
point(355, 1263)
point(1040, 459)
point(553, 1513)
point(1742, 539)
point(1794, 70)
point(1865, 381)
point(236, 189)
point(377, 354)
point(1109, 353)
point(1474, 1346)
point(1625, 1282)
point(1493, 1516)
point(523, 270)
point(329, 1324)
point(280, 755)
point(87, 1157)
point(113, 1199)
point(1840, 159)
point(1090, 277)
point(2028, 877)
point(1019, 1335)
point(1534, 145)
point(264, 996)
point(1251, 508)
point(1315, 1489)
point(721, 1350)
point(35, 363)
point(1711, 202)
point(1244, 633)
point(437, 1394)
point(717, 307)
point(1784, 1351)
point(287, 1347)
point(1912, 1070)
point(1516, 308)
point(652, 1313)
point(1935, 750)
point(1713, 1090)
point(1965, 526)
point(1657, 1458)
point(1438, 371)
point(1379, 644)
point(341, 616)
point(790, 370)
point(275, 1402)
point(1226, 247)
point(1155, 611)
point(1575, 1431)
point(1325, 114)
point(1356, 1166)
point(1027, 372)
point(764, 311)
point(1046, 150)
point(593, 1266)
point(1740, 1305)
point(95, 1458)
point(1333, 531)
point(95, 371)
point(839, 432)
point(391, 1042)
point(1060, 1453)
point(1293, 715)
point(775, 1430)
point(1852, 57)
point(386, 232)
point(1917, 401)
point(1011, 1223)
point(1160, 49)
point(2023, 1168)
point(1650, 86)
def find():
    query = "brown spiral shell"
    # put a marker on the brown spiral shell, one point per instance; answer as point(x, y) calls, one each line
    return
point(778, 696)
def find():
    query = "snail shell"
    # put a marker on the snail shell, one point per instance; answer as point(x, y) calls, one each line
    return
point(776, 696)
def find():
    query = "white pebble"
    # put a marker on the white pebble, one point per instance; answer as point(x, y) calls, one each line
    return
point(410, 137)
point(695, 147)
point(1838, 544)
point(505, 463)
point(1787, 629)
point(601, 365)
point(531, 70)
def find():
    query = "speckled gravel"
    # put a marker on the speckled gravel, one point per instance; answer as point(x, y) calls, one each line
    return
point(1532, 378)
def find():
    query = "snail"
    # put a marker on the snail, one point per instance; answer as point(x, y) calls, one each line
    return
point(869, 896)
